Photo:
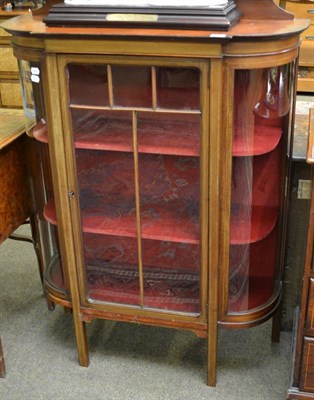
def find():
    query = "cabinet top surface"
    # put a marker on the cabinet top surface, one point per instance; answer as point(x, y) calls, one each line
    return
point(245, 29)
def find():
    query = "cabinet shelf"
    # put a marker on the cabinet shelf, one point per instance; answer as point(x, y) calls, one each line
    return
point(169, 222)
point(171, 137)
point(40, 131)
point(249, 224)
point(263, 140)
point(162, 222)
point(99, 131)
point(251, 266)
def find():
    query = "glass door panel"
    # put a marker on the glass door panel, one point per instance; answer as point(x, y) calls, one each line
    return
point(170, 215)
point(178, 88)
point(260, 137)
point(106, 187)
point(102, 129)
point(88, 84)
point(132, 86)
point(168, 133)
point(137, 153)
point(112, 268)
point(108, 214)
point(168, 144)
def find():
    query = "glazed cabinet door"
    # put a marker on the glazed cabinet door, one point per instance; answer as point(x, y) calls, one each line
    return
point(260, 129)
point(135, 140)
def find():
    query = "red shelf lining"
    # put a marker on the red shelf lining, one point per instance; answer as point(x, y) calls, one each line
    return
point(249, 264)
point(108, 250)
point(250, 224)
point(261, 140)
point(156, 132)
point(169, 196)
point(160, 223)
point(170, 136)
point(166, 227)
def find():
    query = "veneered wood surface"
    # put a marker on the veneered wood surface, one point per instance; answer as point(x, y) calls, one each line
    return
point(307, 368)
point(12, 125)
point(246, 28)
point(15, 196)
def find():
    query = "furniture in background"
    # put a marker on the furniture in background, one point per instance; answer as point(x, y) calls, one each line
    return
point(16, 155)
point(10, 91)
point(15, 194)
point(298, 215)
point(165, 166)
point(304, 9)
point(302, 382)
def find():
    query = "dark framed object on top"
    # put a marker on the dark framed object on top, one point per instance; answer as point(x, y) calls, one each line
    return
point(220, 17)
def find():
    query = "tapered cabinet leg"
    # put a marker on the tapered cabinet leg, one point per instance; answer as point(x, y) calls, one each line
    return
point(212, 358)
point(212, 369)
point(2, 364)
point(81, 340)
point(275, 333)
point(51, 305)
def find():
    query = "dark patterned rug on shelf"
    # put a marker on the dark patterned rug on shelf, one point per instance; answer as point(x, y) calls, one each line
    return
point(163, 289)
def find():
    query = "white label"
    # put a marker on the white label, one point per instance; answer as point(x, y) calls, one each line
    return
point(218, 35)
point(304, 189)
point(35, 71)
point(35, 78)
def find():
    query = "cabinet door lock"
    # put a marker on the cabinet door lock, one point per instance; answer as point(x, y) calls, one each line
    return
point(71, 194)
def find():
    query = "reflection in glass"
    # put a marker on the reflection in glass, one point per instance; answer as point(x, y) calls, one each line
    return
point(274, 101)
point(28, 80)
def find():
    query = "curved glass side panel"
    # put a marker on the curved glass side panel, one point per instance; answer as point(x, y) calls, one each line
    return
point(261, 122)
point(45, 221)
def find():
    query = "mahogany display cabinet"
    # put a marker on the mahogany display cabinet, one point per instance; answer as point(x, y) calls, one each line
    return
point(165, 164)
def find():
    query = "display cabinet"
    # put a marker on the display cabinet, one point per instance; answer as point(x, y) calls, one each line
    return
point(165, 163)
